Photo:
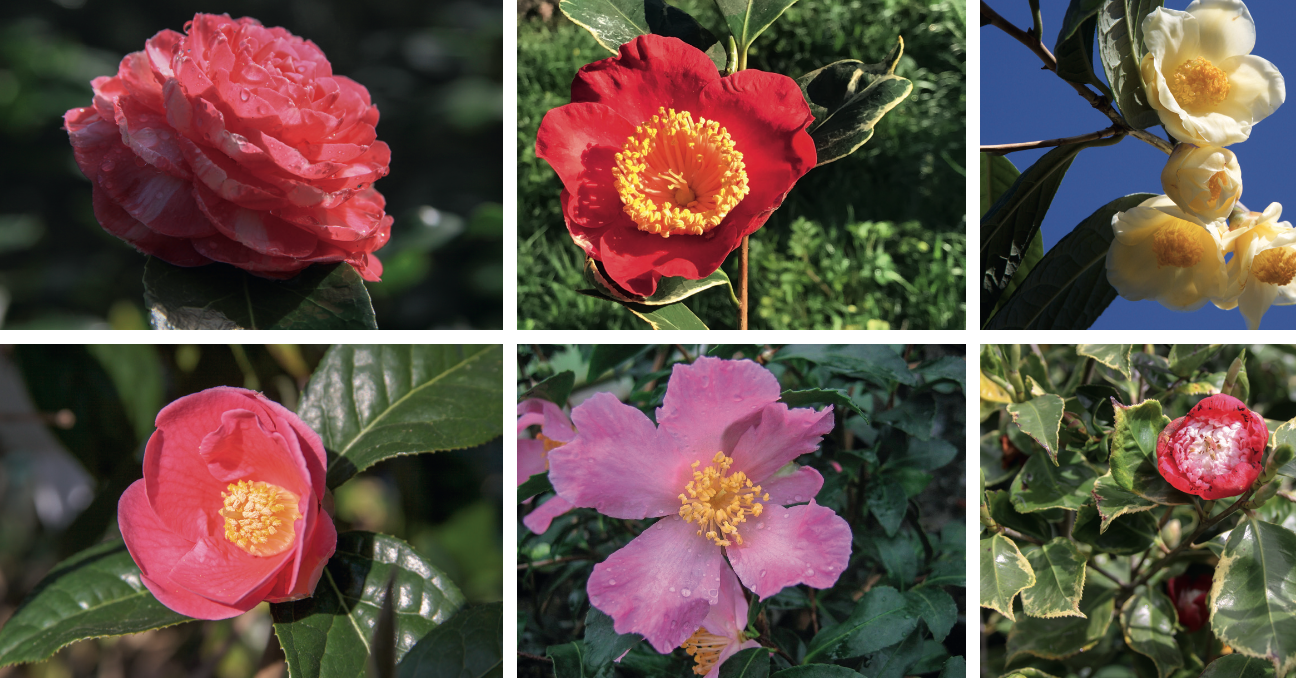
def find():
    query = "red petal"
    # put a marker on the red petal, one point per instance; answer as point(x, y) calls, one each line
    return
point(158, 200)
point(115, 220)
point(226, 574)
point(150, 137)
point(262, 232)
point(568, 133)
point(648, 73)
point(242, 449)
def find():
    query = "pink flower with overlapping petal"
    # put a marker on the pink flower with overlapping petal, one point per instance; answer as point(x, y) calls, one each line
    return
point(533, 454)
point(229, 512)
point(723, 632)
point(716, 468)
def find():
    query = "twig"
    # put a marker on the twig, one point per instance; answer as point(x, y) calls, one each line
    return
point(1003, 149)
point(687, 358)
point(554, 561)
point(742, 306)
point(1106, 574)
point(534, 657)
point(1165, 560)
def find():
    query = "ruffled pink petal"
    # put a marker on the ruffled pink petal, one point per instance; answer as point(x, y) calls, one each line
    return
point(137, 77)
point(554, 423)
point(538, 520)
point(258, 231)
point(218, 570)
point(711, 403)
point(357, 218)
point(220, 248)
point(224, 177)
point(116, 221)
point(307, 442)
point(728, 616)
point(531, 459)
point(803, 484)
point(300, 581)
point(156, 199)
point(661, 585)
point(798, 545)
point(781, 436)
point(619, 463)
point(149, 136)
point(242, 450)
point(160, 49)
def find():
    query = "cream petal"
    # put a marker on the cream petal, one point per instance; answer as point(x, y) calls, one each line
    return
point(1226, 28)
point(1169, 33)
point(1255, 300)
point(1257, 88)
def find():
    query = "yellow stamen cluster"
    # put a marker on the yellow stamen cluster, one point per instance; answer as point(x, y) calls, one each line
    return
point(549, 445)
point(677, 176)
point(1199, 83)
point(1176, 244)
point(705, 648)
point(1276, 266)
point(259, 517)
point(1216, 186)
point(719, 503)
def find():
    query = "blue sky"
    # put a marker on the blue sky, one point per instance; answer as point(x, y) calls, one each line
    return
point(1021, 102)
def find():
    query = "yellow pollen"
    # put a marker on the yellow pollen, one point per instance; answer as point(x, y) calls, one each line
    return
point(1199, 83)
point(1276, 266)
point(1216, 185)
point(676, 176)
point(1176, 244)
point(705, 648)
point(719, 503)
point(259, 517)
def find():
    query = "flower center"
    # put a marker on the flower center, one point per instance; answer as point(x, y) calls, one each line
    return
point(1209, 449)
point(719, 503)
point(1199, 83)
point(705, 648)
point(549, 445)
point(1276, 266)
point(1176, 244)
point(678, 176)
point(259, 517)
point(1216, 186)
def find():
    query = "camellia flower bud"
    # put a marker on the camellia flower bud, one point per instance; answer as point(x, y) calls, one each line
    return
point(1203, 181)
point(1215, 451)
point(1189, 595)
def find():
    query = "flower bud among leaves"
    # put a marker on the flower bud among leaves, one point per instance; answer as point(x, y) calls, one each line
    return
point(1188, 592)
point(1203, 181)
point(1215, 451)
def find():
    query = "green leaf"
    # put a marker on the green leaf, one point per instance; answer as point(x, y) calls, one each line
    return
point(915, 416)
point(1075, 52)
point(1002, 511)
point(1125, 537)
point(536, 484)
point(1285, 434)
point(1004, 573)
point(880, 619)
point(825, 396)
point(1148, 619)
point(371, 403)
point(1238, 666)
point(747, 19)
point(1040, 418)
point(1041, 485)
point(1034, 253)
point(568, 660)
point(616, 22)
point(754, 662)
point(1068, 289)
point(670, 290)
point(937, 609)
point(818, 671)
point(329, 633)
point(992, 461)
point(1120, 48)
point(947, 367)
point(923, 455)
point(606, 357)
point(555, 389)
point(1115, 356)
point(95, 593)
point(847, 99)
point(997, 176)
point(1186, 358)
point(672, 317)
point(221, 297)
point(1253, 600)
point(894, 661)
point(602, 643)
point(955, 667)
point(887, 503)
point(1078, 11)
point(136, 371)
point(1133, 453)
point(1062, 637)
point(1114, 501)
point(470, 645)
point(1027, 672)
point(1059, 580)
point(877, 363)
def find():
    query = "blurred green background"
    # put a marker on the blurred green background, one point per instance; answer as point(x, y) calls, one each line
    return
point(433, 69)
point(873, 241)
point(59, 496)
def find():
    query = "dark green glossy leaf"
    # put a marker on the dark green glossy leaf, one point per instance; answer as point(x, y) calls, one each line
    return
point(568, 660)
point(955, 667)
point(1040, 418)
point(937, 609)
point(1115, 356)
point(328, 634)
point(992, 459)
point(1077, 13)
point(848, 98)
point(823, 396)
point(221, 297)
point(880, 619)
point(817, 671)
point(536, 484)
point(1133, 453)
point(370, 403)
point(924, 455)
point(670, 290)
point(1253, 600)
point(894, 661)
point(1148, 620)
point(602, 643)
point(1120, 49)
point(887, 503)
point(97, 592)
point(947, 573)
point(732, 351)
point(672, 317)
point(1114, 501)
point(1004, 573)
point(1238, 666)
point(915, 416)
point(606, 357)
point(946, 367)
point(1061, 637)
point(754, 662)
point(1127, 536)
point(555, 389)
point(616, 22)
point(997, 176)
point(1186, 358)
point(470, 645)
point(1034, 253)
point(1075, 53)
point(1068, 289)
point(1285, 434)
point(1027, 672)
point(1040, 485)
point(999, 504)
point(877, 363)
point(747, 19)
point(1059, 580)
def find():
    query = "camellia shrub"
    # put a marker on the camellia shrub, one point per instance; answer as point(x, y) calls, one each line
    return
point(1136, 511)
point(741, 510)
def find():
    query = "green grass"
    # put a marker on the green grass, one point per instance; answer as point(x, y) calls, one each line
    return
point(873, 240)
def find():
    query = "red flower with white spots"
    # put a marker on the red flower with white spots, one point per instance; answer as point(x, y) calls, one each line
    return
point(1216, 451)
point(1188, 592)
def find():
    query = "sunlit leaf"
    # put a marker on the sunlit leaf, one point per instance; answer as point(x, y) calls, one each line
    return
point(1004, 573)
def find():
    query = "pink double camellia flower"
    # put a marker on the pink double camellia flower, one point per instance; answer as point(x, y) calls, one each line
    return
point(228, 513)
point(235, 143)
point(533, 454)
point(717, 470)
point(1216, 451)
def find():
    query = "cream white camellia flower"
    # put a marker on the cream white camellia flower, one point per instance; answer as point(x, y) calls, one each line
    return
point(1203, 181)
point(1262, 271)
point(1161, 252)
point(1200, 76)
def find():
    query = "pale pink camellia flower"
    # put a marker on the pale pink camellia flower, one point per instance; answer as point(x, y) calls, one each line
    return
point(228, 513)
point(235, 143)
point(533, 454)
point(717, 470)
point(723, 632)
point(1215, 451)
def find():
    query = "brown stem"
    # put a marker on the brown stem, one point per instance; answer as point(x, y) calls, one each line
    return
point(687, 358)
point(1106, 574)
point(742, 305)
point(534, 657)
point(1167, 558)
point(1003, 149)
point(554, 561)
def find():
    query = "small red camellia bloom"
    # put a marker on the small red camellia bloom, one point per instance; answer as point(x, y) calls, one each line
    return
point(235, 143)
point(1216, 451)
point(666, 165)
point(228, 513)
point(1189, 595)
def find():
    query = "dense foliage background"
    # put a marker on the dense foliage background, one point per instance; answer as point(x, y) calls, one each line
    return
point(59, 492)
point(871, 241)
point(433, 69)
point(892, 470)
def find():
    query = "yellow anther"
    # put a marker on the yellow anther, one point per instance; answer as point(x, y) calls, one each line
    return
point(719, 503)
point(1276, 266)
point(259, 517)
point(705, 648)
point(1177, 244)
point(1216, 185)
point(677, 176)
point(1199, 83)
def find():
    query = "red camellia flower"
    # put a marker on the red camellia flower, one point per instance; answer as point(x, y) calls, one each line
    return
point(235, 143)
point(666, 165)
point(228, 513)
point(1189, 595)
point(1215, 451)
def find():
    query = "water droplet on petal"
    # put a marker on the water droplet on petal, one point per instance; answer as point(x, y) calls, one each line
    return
point(107, 166)
point(809, 573)
point(762, 573)
point(796, 497)
point(760, 526)
point(686, 593)
point(243, 94)
point(672, 589)
point(611, 582)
